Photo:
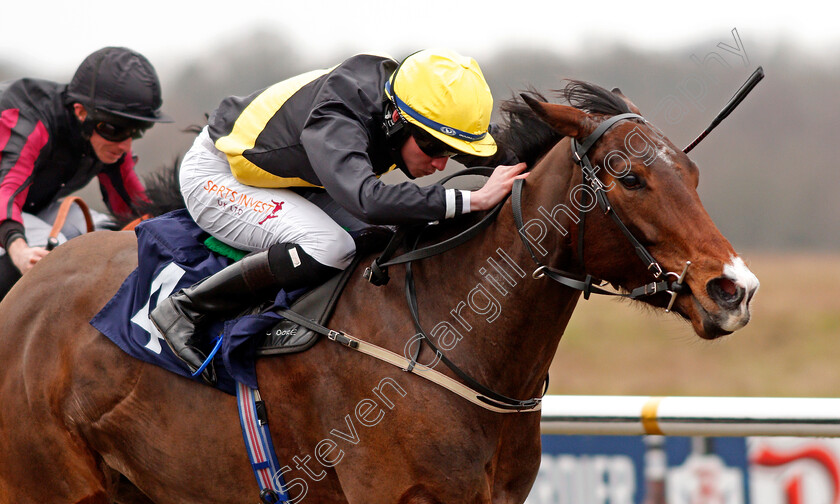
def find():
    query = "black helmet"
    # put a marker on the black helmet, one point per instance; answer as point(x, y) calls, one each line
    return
point(120, 82)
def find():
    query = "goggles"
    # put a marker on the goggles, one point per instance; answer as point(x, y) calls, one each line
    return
point(431, 146)
point(115, 133)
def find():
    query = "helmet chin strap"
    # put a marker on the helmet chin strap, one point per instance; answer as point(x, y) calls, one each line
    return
point(87, 127)
point(396, 131)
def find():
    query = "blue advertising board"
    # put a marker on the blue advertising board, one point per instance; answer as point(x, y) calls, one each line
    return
point(612, 470)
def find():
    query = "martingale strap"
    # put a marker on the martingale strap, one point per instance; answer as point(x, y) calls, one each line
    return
point(378, 275)
point(487, 395)
point(254, 422)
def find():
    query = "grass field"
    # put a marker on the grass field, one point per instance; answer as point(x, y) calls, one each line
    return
point(791, 347)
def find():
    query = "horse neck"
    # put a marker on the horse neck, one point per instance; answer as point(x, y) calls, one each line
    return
point(510, 323)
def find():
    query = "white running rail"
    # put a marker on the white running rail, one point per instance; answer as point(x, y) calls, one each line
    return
point(691, 416)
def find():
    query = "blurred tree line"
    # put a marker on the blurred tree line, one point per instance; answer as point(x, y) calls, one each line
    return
point(768, 177)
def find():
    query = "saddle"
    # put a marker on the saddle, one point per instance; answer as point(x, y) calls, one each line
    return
point(316, 305)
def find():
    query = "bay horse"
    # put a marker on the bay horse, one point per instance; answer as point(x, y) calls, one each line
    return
point(82, 422)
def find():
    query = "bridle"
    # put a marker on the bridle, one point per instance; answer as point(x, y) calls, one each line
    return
point(377, 272)
point(378, 275)
point(580, 155)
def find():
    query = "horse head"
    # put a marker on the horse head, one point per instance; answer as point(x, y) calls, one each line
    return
point(649, 187)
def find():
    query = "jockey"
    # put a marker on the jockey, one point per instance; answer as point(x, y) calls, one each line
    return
point(292, 170)
point(55, 138)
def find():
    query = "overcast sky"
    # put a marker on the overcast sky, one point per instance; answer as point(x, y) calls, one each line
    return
point(51, 37)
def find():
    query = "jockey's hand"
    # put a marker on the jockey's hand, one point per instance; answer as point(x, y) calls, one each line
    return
point(23, 256)
point(497, 187)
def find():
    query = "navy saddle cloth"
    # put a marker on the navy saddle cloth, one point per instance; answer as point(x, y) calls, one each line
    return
point(172, 256)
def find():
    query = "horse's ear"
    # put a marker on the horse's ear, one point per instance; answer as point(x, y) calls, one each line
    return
point(633, 107)
point(566, 120)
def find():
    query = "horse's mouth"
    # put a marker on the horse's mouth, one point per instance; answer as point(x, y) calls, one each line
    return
point(708, 326)
point(720, 305)
point(715, 325)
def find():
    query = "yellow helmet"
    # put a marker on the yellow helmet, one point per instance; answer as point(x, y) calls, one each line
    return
point(446, 95)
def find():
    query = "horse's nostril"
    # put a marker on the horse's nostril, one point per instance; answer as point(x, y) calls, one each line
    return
point(725, 292)
point(728, 286)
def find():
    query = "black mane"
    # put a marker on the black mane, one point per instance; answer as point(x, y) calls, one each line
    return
point(163, 191)
point(524, 134)
point(593, 99)
point(163, 195)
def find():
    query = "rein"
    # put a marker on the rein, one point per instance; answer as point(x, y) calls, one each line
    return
point(377, 272)
point(378, 275)
point(64, 211)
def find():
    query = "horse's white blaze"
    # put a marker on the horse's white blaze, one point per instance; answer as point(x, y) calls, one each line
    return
point(666, 154)
point(741, 275)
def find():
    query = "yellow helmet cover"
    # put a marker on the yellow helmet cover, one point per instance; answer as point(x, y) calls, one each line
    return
point(445, 94)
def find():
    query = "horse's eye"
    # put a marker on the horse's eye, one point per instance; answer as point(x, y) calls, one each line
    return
point(632, 181)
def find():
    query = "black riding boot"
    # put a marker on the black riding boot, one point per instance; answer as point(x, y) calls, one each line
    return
point(227, 292)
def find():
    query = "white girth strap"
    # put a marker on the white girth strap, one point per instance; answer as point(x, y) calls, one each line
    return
point(430, 374)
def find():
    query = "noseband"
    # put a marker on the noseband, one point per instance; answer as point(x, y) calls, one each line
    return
point(580, 154)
